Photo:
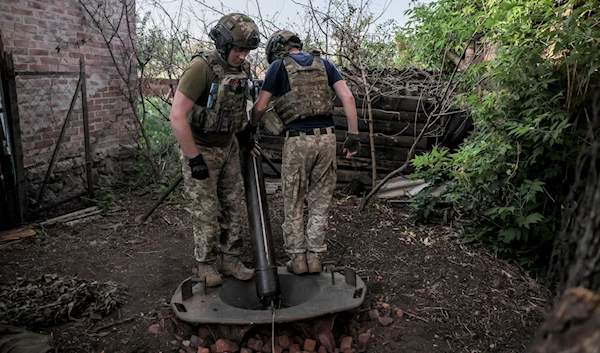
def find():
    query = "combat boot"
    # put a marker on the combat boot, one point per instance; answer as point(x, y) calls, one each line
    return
point(232, 266)
point(297, 264)
point(210, 276)
point(313, 259)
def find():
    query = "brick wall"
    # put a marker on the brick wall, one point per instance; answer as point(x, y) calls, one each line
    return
point(52, 35)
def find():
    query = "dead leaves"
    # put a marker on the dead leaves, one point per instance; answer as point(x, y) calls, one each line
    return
point(52, 299)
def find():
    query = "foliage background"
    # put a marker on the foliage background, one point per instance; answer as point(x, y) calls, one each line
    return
point(530, 105)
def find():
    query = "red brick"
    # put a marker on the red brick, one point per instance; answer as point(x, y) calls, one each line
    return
point(6, 17)
point(35, 22)
point(295, 348)
point(44, 143)
point(24, 44)
point(309, 345)
point(327, 340)
point(386, 320)
point(49, 61)
point(373, 314)
point(197, 342)
point(43, 52)
point(51, 135)
point(346, 343)
point(224, 345)
point(35, 5)
point(25, 28)
point(47, 45)
point(58, 10)
point(46, 15)
point(255, 344)
point(22, 11)
point(284, 342)
point(364, 337)
point(20, 51)
point(40, 68)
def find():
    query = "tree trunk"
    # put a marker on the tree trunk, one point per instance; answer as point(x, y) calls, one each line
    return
point(576, 256)
point(573, 326)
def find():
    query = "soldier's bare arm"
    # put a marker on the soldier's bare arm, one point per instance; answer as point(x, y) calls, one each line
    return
point(181, 128)
point(260, 106)
point(341, 90)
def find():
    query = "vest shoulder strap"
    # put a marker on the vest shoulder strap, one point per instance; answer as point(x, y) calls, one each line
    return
point(213, 62)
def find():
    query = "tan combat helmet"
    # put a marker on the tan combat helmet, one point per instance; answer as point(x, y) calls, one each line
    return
point(277, 42)
point(235, 29)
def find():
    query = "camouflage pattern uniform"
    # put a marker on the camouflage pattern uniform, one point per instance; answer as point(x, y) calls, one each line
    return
point(220, 94)
point(308, 170)
point(304, 106)
point(215, 202)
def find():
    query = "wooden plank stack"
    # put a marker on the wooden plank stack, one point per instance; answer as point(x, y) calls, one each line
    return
point(397, 120)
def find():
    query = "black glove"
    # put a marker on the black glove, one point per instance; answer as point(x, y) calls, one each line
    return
point(246, 137)
point(199, 168)
point(352, 143)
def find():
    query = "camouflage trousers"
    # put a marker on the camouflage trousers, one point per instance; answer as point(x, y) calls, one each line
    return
point(308, 171)
point(215, 202)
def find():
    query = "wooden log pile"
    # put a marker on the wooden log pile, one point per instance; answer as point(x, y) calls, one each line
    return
point(400, 108)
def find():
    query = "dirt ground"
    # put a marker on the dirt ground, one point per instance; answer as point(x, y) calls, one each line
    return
point(453, 297)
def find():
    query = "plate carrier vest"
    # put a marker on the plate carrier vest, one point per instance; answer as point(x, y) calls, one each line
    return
point(309, 93)
point(227, 112)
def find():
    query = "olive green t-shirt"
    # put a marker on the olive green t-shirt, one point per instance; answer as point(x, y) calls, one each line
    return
point(195, 84)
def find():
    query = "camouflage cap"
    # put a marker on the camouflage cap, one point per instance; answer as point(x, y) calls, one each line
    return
point(235, 29)
point(277, 42)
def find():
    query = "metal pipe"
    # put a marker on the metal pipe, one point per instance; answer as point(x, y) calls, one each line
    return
point(265, 268)
point(142, 218)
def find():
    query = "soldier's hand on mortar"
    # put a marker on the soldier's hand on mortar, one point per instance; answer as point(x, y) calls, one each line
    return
point(246, 140)
point(256, 150)
point(351, 145)
point(199, 167)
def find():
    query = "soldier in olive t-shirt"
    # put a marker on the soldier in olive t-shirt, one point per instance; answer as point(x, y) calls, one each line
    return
point(195, 84)
point(204, 124)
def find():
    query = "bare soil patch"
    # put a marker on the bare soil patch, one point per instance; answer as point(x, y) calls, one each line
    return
point(441, 296)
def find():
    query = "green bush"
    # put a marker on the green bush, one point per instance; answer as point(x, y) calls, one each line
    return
point(163, 151)
point(529, 106)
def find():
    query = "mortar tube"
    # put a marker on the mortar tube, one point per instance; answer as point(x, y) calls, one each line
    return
point(265, 268)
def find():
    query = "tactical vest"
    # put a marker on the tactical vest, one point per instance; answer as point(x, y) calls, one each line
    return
point(227, 110)
point(309, 93)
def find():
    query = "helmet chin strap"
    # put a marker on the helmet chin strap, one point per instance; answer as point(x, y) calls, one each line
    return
point(225, 54)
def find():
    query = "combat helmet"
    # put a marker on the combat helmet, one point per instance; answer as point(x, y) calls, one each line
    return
point(277, 42)
point(235, 29)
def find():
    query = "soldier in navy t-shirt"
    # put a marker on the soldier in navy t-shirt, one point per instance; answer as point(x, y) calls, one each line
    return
point(277, 83)
point(302, 86)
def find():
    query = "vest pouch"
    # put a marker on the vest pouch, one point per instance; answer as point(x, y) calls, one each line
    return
point(232, 103)
point(272, 123)
point(225, 107)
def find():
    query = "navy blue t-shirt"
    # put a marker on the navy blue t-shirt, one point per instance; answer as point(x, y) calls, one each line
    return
point(277, 83)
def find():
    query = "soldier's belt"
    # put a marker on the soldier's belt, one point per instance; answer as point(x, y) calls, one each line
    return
point(317, 131)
